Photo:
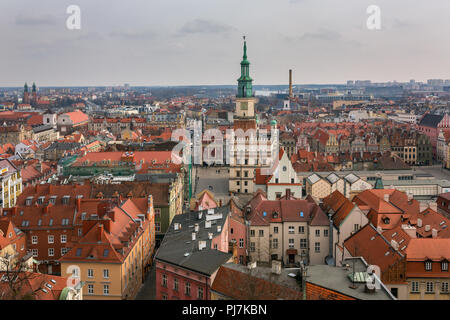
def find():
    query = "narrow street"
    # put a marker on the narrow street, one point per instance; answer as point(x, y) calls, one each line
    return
point(148, 289)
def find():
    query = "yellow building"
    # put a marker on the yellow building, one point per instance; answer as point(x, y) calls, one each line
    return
point(10, 184)
point(115, 249)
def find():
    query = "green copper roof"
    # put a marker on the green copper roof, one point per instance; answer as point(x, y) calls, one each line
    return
point(273, 122)
point(245, 88)
point(379, 184)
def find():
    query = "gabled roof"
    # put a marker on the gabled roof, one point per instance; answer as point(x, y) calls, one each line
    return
point(431, 120)
point(428, 249)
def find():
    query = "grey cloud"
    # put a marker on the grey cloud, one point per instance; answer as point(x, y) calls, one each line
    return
point(204, 26)
point(131, 34)
point(322, 34)
point(29, 20)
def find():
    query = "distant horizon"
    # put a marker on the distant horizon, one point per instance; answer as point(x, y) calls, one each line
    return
point(215, 85)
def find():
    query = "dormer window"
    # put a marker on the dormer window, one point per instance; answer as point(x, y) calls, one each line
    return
point(29, 201)
point(40, 200)
point(65, 199)
point(386, 220)
point(444, 265)
point(275, 215)
point(52, 200)
point(428, 265)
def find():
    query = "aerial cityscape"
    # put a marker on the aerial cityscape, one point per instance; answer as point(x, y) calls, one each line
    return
point(336, 190)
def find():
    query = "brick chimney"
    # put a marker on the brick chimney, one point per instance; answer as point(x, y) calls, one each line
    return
point(99, 232)
point(112, 214)
point(78, 200)
point(107, 223)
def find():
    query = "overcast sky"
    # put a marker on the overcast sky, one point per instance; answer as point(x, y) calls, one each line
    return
point(196, 42)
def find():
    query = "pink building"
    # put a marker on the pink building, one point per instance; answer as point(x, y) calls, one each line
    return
point(237, 233)
point(430, 125)
point(194, 247)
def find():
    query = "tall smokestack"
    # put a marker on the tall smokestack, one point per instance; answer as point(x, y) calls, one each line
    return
point(290, 83)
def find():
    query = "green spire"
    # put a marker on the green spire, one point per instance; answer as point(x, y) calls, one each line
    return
point(25, 87)
point(245, 49)
point(245, 88)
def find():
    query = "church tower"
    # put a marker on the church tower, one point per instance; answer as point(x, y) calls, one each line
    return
point(26, 94)
point(34, 94)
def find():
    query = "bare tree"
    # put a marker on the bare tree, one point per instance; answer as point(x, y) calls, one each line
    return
point(17, 280)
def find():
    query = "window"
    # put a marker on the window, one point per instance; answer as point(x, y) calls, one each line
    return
point(325, 233)
point(51, 252)
point(175, 284)
point(356, 227)
point(200, 292)
point(430, 287)
point(90, 273)
point(63, 238)
point(275, 243)
point(275, 229)
point(34, 252)
point(157, 226)
point(444, 265)
point(252, 247)
point(187, 289)
point(34, 239)
point(215, 246)
point(317, 247)
point(428, 265)
point(80, 232)
point(106, 273)
point(317, 232)
point(291, 229)
point(261, 233)
point(252, 233)
point(303, 243)
point(51, 239)
point(301, 229)
point(231, 230)
point(241, 243)
point(444, 287)
point(164, 281)
point(157, 213)
point(63, 251)
point(291, 243)
point(106, 289)
point(90, 289)
point(164, 296)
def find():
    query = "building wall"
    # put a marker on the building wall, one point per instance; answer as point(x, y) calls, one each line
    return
point(322, 240)
point(261, 244)
point(197, 281)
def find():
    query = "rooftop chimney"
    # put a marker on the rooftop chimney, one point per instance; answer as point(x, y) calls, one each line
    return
point(409, 230)
point(193, 236)
point(419, 223)
point(434, 233)
point(196, 227)
point(99, 233)
point(427, 227)
point(386, 197)
point(290, 83)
